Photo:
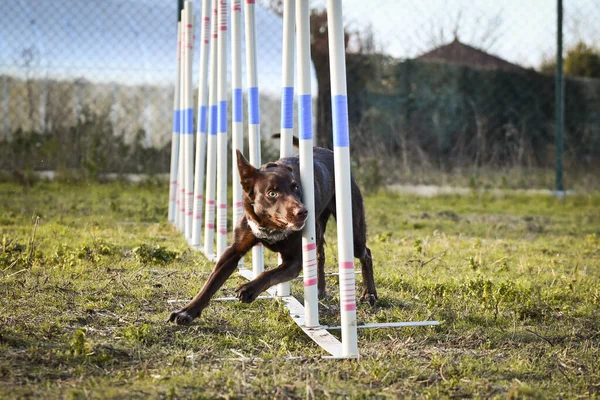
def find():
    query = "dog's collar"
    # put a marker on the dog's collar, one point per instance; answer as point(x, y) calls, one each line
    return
point(266, 234)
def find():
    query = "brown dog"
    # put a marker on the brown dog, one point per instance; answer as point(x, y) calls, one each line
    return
point(274, 216)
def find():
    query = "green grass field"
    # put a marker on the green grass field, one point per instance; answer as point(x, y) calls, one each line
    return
point(86, 271)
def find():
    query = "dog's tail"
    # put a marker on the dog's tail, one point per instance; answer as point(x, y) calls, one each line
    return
point(294, 139)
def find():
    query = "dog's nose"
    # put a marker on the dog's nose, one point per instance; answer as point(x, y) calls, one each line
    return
point(301, 212)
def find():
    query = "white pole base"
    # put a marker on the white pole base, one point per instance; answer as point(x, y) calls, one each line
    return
point(319, 334)
point(387, 325)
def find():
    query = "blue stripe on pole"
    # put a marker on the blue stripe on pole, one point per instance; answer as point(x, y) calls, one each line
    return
point(181, 120)
point(213, 119)
point(339, 108)
point(223, 116)
point(176, 121)
point(253, 106)
point(202, 120)
point(188, 121)
point(237, 105)
point(287, 108)
point(305, 116)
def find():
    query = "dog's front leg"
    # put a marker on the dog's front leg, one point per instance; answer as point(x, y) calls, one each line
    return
point(288, 270)
point(226, 265)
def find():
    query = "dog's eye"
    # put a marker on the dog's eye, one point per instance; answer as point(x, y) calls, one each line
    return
point(272, 193)
point(295, 187)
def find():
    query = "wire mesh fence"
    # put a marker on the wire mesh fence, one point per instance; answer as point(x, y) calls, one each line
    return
point(433, 86)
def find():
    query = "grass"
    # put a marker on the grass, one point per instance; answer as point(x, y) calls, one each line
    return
point(86, 271)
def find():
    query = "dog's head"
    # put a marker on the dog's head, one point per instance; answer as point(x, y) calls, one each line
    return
point(272, 195)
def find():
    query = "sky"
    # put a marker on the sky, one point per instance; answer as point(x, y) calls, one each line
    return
point(520, 31)
point(134, 41)
point(123, 41)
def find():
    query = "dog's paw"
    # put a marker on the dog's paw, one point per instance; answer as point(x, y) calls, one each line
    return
point(183, 317)
point(246, 293)
point(371, 298)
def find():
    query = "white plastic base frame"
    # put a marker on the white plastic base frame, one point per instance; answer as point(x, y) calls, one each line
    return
point(319, 334)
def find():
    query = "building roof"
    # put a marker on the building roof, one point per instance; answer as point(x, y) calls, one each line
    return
point(460, 53)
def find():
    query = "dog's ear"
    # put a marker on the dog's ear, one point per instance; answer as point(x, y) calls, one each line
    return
point(247, 172)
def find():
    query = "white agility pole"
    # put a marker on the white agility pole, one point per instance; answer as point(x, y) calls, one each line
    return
point(222, 135)
point(253, 112)
point(237, 128)
point(306, 317)
point(188, 136)
point(202, 128)
point(309, 246)
point(211, 152)
point(175, 137)
point(343, 190)
point(286, 148)
point(180, 160)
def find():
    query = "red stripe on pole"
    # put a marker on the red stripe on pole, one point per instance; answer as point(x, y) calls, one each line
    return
point(310, 282)
point(347, 265)
point(310, 246)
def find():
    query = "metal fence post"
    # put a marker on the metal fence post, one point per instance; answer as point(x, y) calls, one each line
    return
point(559, 100)
point(179, 9)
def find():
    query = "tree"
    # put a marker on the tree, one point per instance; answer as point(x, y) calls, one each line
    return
point(454, 23)
point(581, 60)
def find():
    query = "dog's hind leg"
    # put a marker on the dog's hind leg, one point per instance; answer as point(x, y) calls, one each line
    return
point(369, 293)
point(320, 227)
point(361, 251)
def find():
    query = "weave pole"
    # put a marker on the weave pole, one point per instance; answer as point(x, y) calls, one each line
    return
point(343, 190)
point(201, 130)
point(253, 112)
point(188, 136)
point(180, 159)
point(237, 127)
point(222, 135)
point(309, 247)
point(305, 316)
point(287, 100)
point(211, 152)
point(175, 137)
